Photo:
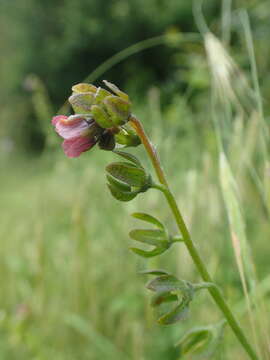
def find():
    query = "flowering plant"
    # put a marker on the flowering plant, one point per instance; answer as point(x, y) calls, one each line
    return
point(98, 117)
point(105, 118)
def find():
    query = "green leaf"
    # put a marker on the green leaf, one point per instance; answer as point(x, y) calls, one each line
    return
point(148, 218)
point(195, 341)
point(163, 297)
point(202, 342)
point(167, 283)
point(121, 195)
point(180, 312)
point(120, 185)
point(151, 237)
point(128, 173)
point(170, 289)
point(129, 157)
point(150, 253)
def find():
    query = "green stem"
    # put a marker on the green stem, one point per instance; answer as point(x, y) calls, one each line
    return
point(193, 251)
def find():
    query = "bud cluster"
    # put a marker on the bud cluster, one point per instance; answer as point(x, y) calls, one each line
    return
point(100, 117)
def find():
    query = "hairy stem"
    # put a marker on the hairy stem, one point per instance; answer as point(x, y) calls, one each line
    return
point(193, 251)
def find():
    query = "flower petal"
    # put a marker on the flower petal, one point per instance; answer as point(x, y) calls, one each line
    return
point(71, 127)
point(75, 146)
point(55, 119)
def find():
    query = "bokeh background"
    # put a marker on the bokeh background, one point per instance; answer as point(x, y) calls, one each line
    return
point(199, 80)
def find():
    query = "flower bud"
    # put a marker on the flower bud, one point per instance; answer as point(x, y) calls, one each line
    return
point(118, 109)
point(82, 102)
point(101, 117)
point(83, 88)
point(100, 95)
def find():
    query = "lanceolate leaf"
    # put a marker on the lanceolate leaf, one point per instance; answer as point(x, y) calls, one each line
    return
point(148, 218)
point(129, 157)
point(127, 173)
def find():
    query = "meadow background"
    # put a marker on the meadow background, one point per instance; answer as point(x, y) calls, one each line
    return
point(70, 287)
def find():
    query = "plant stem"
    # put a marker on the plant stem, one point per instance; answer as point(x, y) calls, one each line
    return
point(193, 251)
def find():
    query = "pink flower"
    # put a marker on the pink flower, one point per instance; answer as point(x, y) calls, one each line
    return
point(79, 133)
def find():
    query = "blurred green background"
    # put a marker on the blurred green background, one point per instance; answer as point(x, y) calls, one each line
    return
point(70, 287)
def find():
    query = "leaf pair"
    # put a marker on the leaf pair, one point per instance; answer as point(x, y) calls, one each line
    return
point(158, 238)
point(127, 179)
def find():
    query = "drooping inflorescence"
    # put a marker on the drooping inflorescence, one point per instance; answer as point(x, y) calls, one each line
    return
point(100, 117)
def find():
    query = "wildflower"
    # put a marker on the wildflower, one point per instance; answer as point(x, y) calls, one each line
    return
point(99, 116)
point(79, 133)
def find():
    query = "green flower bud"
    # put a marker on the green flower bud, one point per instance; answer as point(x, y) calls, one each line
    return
point(83, 88)
point(118, 109)
point(127, 138)
point(101, 117)
point(101, 94)
point(82, 102)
